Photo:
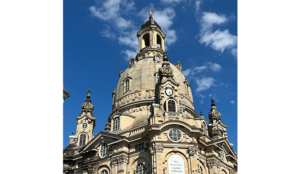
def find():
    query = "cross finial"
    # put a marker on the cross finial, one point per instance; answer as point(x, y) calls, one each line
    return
point(150, 13)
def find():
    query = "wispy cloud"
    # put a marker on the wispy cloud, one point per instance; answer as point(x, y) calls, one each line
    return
point(170, 1)
point(197, 6)
point(110, 11)
point(232, 102)
point(218, 40)
point(193, 71)
point(204, 84)
point(106, 33)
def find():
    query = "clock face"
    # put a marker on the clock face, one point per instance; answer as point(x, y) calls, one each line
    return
point(169, 91)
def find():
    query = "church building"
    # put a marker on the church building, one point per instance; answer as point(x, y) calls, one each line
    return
point(153, 127)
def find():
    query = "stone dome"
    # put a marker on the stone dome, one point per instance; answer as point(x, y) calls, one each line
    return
point(142, 77)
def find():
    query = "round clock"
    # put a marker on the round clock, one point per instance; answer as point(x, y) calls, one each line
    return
point(169, 91)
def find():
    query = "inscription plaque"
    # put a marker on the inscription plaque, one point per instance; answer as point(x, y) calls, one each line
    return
point(176, 165)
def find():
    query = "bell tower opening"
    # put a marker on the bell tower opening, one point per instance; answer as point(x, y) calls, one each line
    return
point(158, 41)
point(146, 41)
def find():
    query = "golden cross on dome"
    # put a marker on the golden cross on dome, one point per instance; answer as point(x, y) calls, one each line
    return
point(150, 12)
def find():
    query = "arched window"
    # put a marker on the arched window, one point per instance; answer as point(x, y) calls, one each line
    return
point(116, 123)
point(104, 172)
point(140, 169)
point(126, 85)
point(171, 106)
point(158, 41)
point(82, 140)
point(103, 150)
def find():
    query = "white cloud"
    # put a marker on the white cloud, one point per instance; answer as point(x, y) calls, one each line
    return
point(129, 39)
point(215, 67)
point(210, 65)
point(171, 1)
point(113, 12)
point(218, 40)
point(186, 72)
point(110, 11)
point(106, 33)
point(234, 52)
point(197, 6)
point(204, 83)
point(129, 54)
point(232, 101)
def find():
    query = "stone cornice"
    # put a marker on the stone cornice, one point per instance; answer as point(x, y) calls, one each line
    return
point(226, 141)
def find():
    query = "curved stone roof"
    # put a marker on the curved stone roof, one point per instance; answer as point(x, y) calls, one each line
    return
point(148, 23)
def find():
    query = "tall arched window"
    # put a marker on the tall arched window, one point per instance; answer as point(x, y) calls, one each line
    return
point(82, 140)
point(171, 106)
point(126, 85)
point(116, 123)
point(140, 169)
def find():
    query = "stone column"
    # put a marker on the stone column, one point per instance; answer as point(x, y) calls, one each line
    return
point(140, 44)
point(193, 159)
point(114, 165)
point(213, 166)
point(122, 164)
point(151, 38)
point(163, 44)
point(159, 158)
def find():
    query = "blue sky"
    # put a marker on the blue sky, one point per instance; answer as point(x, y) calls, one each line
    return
point(99, 37)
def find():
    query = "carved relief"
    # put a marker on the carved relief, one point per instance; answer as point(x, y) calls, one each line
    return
point(159, 148)
point(192, 151)
point(137, 109)
point(212, 163)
